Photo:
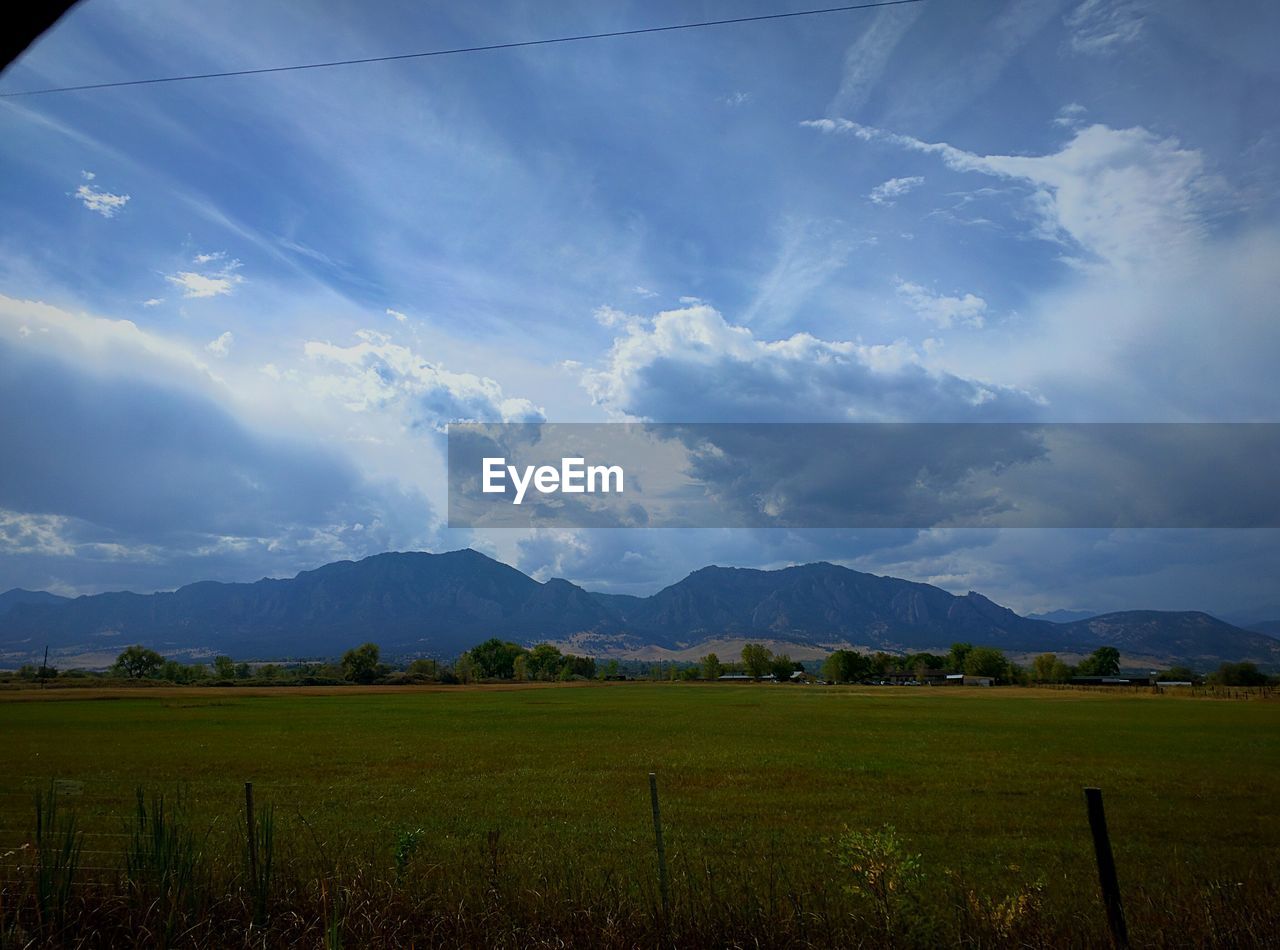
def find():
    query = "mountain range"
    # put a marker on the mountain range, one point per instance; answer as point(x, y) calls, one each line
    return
point(440, 604)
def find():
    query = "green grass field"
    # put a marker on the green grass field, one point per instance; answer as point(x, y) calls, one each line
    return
point(755, 780)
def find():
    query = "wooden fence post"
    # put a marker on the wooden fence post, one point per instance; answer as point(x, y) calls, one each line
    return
point(662, 851)
point(253, 836)
point(1106, 868)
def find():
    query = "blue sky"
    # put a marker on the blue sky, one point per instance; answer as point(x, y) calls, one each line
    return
point(235, 314)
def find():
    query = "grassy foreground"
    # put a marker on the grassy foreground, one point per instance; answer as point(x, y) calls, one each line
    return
point(521, 816)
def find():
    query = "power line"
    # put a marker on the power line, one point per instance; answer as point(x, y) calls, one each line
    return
point(456, 51)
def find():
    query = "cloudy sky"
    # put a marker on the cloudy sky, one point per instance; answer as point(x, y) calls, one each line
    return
point(236, 314)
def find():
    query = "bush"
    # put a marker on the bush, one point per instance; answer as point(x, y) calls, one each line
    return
point(881, 871)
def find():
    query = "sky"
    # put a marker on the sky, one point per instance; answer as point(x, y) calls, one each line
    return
point(237, 314)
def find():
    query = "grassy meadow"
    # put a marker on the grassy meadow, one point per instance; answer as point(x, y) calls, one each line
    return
point(520, 816)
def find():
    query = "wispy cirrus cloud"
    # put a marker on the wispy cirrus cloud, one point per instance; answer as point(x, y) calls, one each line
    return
point(1101, 27)
point(222, 345)
point(810, 253)
point(867, 58)
point(887, 192)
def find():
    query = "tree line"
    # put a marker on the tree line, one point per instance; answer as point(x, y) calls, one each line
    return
point(503, 660)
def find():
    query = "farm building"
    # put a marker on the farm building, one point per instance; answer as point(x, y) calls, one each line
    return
point(914, 677)
point(1136, 680)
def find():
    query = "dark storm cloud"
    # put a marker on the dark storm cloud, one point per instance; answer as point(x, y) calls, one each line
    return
point(883, 475)
point(149, 461)
point(120, 480)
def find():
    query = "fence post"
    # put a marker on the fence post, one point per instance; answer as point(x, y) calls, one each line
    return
point(253, 837)
point(662, 851)
point(1106, 868)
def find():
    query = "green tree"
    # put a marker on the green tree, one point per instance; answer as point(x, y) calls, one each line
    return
point(782, 666)
point(360, 664)
point(923, 663)
point(1042, 668)
point(496, 659)
point(545, 662)
point(711, 668)
point(1175, 674)
point(1104, 661)
point(846, 666)
point(879, 663)
point(224, 668)
point(959, 653)
point(137, 662)
point(465, 669)
point(986, 661)
point(1238, 674)
point(425, 667)
point(757, 659)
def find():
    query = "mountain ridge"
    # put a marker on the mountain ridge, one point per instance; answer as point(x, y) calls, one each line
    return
point(440, 604)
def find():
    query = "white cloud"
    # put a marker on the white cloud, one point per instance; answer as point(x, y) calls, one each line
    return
point(102, 202)
point(87, 176)
point(1124, 196)
point(886, 192)
point(944, 311)
point(608, 316)
point(397, 314)
point(737, 99)
point(376, 374)
point(210, 283)
point(1069, 115)
point(693, 365)
point(204, 285)
point(643, 291)
point(25, 533)
point(98, 341)
point(153, 302)
point(222, 345)
point(1103, 26)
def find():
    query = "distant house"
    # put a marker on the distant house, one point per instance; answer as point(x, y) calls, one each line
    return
point(744, 678)
point(920, 677)
point(978, 681)
point(1138, 680)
